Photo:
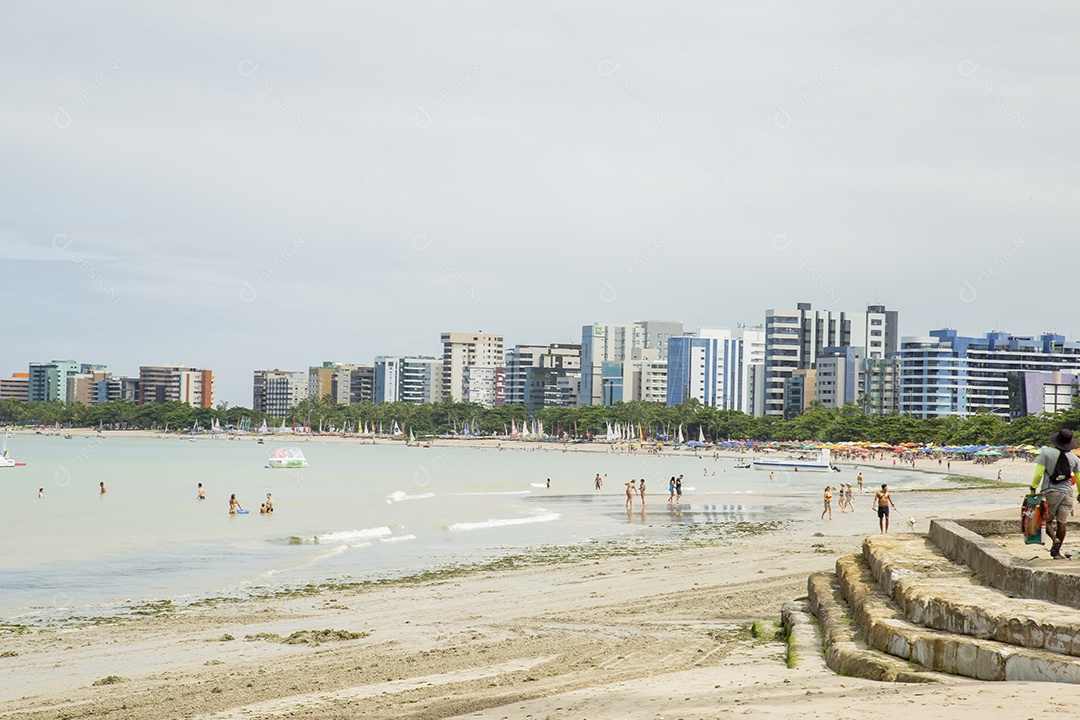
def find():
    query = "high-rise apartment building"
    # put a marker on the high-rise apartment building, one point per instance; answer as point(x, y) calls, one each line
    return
point(167, 383)
point(362, 384)
point(421, 379)
point(47, 381)
point(275, 392)
point(463, 350)
point(17, 387)
point(946, 374)
point(333, 379)
point(387, 379)
point(485, 386)
point(604, 345)
point(539, 376)
point(795, 338)
point(115, 388)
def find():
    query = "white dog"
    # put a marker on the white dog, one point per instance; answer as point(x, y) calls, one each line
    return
point(911, 524)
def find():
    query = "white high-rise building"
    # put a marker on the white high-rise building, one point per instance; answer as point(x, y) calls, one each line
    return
point(464, 350)
point(795, 338)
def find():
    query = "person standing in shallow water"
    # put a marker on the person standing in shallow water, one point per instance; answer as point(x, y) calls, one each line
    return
point(234, 504)
point(630, 489)
point(641, 490)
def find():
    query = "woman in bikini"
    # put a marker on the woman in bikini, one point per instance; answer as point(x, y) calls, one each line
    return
point(630, 487)
point(828, 502)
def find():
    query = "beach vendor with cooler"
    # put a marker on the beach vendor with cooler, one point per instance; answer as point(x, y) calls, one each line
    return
point(1055, 477)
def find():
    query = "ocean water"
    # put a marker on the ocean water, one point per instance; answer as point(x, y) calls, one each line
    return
point(360, 511)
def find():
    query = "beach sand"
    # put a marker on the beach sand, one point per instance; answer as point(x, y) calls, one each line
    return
point(657, 635)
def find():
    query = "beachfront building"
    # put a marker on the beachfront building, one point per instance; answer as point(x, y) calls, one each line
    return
point(485, 386)
point(462, 350)
point(693, 369)
point(540, 376)
point(362, 384)
point(839, 376)
point(799, 391)
point(275, 392)
point(333, 379)
point(47, 381)
point(880, 393)
point(82, 388)
point(410, 378)
point(166, 383)
point(1031, 393)
point(16, 387)
point(421, 379)
point(715, 366)
point(794, 338)
point(945, 374)
point(113, 388)
point(387, 379)
point(604, 345)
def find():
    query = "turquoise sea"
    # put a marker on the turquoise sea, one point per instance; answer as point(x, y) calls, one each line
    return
point(360, 511)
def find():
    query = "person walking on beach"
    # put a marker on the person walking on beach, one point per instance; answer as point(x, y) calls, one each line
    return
point(671, 489)
point(882, 501)
point(678, 488)
point(849, 497)
point(234, 504)
point(1055, 476)
point(859, 479)
point(630, 488)
point(599, 482)
point(641, 490)
point(828, 502)
point(202, 492)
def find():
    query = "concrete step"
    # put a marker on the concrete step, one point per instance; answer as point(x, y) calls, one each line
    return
point(845, 650)
point(936, 593)
point(997, 567)
point(884, 627)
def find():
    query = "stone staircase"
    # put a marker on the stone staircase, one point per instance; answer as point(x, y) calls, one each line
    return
point(962, 601)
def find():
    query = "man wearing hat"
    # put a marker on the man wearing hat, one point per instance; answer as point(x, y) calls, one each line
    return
point(1055, 476)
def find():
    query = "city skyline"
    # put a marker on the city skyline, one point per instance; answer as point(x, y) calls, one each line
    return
point(235, 189)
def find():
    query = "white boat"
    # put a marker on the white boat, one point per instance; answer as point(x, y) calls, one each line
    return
point(5, 461)
point(743, 464)
point(289, 457)
point(822, 463)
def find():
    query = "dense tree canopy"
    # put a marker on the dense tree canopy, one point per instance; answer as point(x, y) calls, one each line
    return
point(816, 423)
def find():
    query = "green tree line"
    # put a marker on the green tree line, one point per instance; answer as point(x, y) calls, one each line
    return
point(817, 423)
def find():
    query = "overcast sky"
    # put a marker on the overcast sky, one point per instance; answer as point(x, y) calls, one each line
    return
point(257, 185)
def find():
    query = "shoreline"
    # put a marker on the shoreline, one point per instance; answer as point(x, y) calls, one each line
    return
point(1013, 470)
point(588, 629)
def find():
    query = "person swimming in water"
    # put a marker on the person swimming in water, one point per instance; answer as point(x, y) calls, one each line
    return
point(202, 492)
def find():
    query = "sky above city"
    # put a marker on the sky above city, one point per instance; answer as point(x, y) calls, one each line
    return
point(270, 185)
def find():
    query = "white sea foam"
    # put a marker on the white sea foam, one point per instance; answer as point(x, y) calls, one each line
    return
point(401, 496)
point(349, 536)
point(503, 522)
point(397, 538)
point(542, 485)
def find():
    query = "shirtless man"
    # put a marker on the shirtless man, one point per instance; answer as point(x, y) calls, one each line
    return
point(641, 490)
point(598, 481)
point(882, 501)
point(202, 492)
